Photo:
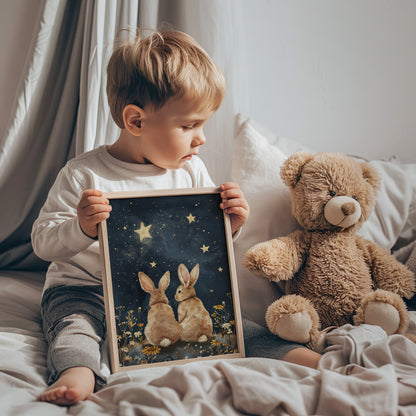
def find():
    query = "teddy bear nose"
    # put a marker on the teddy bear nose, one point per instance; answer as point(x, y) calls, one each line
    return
point(348, 208)
point(342, 211)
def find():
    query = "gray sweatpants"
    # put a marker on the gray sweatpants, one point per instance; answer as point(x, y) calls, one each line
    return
point(260, 342)
point(73, 321)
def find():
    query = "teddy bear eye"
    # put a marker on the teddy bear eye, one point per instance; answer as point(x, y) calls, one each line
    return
point(332, 193)
point(355, 197)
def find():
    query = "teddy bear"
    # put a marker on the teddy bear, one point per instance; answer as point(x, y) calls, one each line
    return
point(332, 275)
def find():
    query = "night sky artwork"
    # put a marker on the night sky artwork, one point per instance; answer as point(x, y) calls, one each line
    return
point(153, 235)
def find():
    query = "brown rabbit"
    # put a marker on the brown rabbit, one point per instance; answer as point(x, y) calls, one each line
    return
point(162, 328)
point(194, 319)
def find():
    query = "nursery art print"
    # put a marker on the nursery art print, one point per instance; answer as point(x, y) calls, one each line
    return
point(169, 279)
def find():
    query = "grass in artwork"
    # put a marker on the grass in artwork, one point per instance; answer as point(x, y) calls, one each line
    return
point(134, 349)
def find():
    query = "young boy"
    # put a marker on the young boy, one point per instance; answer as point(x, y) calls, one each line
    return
point(161, 90)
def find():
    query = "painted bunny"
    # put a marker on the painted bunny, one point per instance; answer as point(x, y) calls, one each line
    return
point(194, 319)
point(162, 328)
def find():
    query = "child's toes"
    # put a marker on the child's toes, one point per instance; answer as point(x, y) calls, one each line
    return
point(73, 395)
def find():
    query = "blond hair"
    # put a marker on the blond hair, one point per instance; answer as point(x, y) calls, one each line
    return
point(151, 69)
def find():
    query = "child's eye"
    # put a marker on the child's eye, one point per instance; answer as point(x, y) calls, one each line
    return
point(187, 127)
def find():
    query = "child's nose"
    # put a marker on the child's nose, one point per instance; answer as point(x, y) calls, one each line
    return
point(199, 139)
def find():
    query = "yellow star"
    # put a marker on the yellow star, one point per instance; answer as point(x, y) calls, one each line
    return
point(191, 218)
point(143, 232)
point(204, 248)
point(220, 269)
point(153, 264)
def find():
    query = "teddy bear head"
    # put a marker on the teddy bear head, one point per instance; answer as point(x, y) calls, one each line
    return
point(330, 191)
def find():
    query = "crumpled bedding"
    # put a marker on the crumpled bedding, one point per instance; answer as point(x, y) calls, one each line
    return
point(363, 372)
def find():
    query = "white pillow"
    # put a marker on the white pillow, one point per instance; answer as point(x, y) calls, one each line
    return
point(395, 211)
point(256, 168)
point(257, 158)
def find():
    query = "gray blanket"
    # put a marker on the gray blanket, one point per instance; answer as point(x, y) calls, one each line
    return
point(363, 372)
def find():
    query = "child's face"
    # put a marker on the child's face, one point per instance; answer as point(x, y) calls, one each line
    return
point(172, 134)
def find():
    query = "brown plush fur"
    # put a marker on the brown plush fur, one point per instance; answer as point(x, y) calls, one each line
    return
point(327, 264)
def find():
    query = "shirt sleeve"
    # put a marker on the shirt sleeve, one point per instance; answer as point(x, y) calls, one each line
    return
point(56, 234)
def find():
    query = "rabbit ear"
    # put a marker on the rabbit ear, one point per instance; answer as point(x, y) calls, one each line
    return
point(164, 281)
point(183, 274)
point(194, 274)
point(146, 282)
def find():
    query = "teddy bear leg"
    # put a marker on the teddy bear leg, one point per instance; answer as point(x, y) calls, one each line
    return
point(385, 309)
point(293, 318)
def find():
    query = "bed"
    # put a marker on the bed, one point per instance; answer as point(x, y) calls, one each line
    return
point(363, 371)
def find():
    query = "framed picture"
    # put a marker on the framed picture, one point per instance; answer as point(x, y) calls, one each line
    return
point(169, 279)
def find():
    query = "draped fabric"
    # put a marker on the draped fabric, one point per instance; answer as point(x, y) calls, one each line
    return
point(62, 108)
point(61, 111)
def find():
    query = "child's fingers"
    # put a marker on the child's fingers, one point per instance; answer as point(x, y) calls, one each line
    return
point(92, 197)
point(229, 185)
point(92, 192)
point(238, 211)
point(234, 202)
point(89, 222)
point(231, 190)
point(93, 200)
point(94, 209)
point(98, 217)
point(232, 194)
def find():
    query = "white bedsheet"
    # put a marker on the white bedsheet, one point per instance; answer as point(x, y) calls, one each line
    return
point(364, 372)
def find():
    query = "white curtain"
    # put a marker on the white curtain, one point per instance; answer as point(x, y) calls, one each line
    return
point(217, 26)
point(62, 109)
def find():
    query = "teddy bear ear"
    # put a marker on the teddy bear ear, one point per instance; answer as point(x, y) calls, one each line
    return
point(291, 169)
point(370, 175)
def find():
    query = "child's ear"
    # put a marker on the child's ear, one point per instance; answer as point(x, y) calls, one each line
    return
point(132, 118)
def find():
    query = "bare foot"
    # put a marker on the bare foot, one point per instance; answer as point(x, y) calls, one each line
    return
point(303, 356)
point(73, 385)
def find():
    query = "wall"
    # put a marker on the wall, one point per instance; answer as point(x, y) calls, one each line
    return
point(335, 74)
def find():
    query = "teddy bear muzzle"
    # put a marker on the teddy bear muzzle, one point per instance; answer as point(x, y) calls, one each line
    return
point(342, 211)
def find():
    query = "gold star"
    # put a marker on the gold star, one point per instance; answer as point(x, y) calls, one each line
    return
point(143, 232)
point(204, 248)
point(191, 218)
point(153, 264)
point(220, 269)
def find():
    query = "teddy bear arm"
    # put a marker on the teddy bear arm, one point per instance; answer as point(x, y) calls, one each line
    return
point(388, 273)
point(277, 259)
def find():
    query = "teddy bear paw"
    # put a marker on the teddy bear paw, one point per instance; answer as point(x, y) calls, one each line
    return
point(384, 315)
point(294, 327)
point(385, 309)
point(293, 318)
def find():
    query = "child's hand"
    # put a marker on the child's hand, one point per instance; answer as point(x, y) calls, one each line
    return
point(234, 204)
point(92, 209)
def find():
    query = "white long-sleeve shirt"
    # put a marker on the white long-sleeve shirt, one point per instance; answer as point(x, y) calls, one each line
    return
point(57, 235)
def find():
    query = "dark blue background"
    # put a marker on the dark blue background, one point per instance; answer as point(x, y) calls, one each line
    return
point(174, 241)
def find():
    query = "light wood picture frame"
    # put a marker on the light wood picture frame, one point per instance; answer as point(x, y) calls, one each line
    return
point(169, 279)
